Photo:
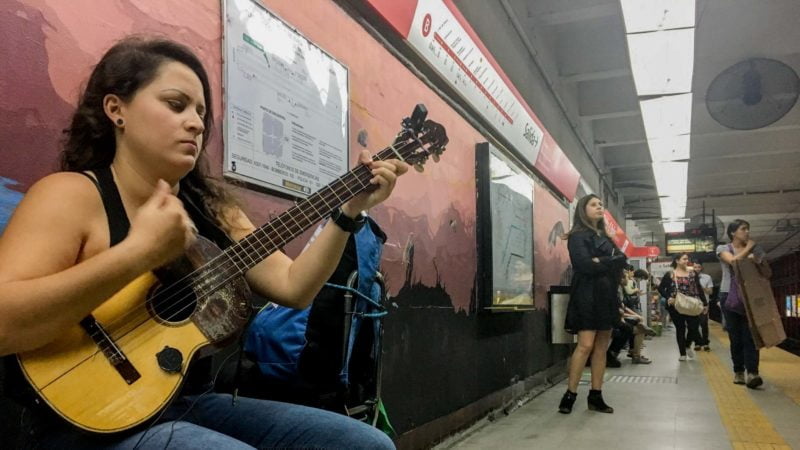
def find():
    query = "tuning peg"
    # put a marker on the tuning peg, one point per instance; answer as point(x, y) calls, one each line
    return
point(419, 167)
point(435, 157)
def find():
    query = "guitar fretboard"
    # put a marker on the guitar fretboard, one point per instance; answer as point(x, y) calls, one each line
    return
point(296, 220)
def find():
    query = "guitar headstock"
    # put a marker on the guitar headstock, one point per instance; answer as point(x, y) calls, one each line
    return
point(420, 139)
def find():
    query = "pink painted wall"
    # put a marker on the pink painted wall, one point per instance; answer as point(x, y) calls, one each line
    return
point(49, 46)
point(550, 254)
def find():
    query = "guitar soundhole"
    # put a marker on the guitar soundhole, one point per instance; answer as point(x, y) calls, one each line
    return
point(173, 303)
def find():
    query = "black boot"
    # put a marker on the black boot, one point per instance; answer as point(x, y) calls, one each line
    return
point(565, 407)
point(596, 402)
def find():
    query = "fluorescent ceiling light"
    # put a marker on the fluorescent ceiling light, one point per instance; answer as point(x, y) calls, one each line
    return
point(662, 62)
point(653, 15)
point(667, 116)
point(674, 148)
point(672, 209)
point(671, 178)
point(674, 227)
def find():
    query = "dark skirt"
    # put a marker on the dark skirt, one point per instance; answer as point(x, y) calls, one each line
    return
point(593, 304)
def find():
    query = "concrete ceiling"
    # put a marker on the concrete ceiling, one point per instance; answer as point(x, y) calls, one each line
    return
point(748, 174)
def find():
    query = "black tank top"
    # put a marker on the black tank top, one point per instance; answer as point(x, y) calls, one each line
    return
point(199, 377)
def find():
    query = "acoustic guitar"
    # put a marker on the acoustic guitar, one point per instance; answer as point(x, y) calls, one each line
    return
point(122, 364)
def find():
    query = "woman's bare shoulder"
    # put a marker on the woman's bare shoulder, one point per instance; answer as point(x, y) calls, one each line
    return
point(71, 188)
point(49, 227)
point(74, 182)
point(64, 196)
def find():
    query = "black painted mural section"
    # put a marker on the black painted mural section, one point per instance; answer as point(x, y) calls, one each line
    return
point(437, 361)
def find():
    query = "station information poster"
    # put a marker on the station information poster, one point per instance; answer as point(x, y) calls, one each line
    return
point(286, 104)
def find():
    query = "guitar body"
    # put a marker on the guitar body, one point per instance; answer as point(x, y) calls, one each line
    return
point(113, 373)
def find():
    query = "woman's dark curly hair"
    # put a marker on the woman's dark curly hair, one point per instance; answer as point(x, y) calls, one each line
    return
point(130, 65)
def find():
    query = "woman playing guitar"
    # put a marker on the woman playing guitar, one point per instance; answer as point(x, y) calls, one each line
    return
point(138, 138)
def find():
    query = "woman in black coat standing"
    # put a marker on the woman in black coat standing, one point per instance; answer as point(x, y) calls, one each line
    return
point(594, 303)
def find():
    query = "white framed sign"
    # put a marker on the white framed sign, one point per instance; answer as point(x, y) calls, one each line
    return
point(440, 39)
point(286, 104)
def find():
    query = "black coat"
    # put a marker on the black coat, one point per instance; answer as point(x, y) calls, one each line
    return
point(594, 299)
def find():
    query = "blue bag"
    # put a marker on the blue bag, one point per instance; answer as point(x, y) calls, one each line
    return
point(315, 345)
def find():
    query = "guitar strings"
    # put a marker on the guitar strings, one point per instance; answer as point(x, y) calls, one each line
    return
point(258, 234)
point(229, 270)
point(239, 249)
point(225, 267)
point(363, 178)
point(141, 311)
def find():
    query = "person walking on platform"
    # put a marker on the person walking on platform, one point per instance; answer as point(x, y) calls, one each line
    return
point(685, 281)
point(744, 353)
point(593, 309)
point(708, 287)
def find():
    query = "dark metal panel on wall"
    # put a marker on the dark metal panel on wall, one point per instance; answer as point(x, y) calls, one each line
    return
point(439, 361)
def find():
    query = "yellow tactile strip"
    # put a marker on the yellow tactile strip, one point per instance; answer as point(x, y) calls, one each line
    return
point(747, 425)
point(780, 366)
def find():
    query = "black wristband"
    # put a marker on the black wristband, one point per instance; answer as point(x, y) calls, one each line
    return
point(345, 223)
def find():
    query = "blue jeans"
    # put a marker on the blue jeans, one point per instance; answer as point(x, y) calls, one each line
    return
point(215, 423)
point(744, 353)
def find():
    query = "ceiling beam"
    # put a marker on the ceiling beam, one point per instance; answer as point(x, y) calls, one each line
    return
point(730, 132)
point(727, 195)
point(707, 158)
point(594, 76)
point(712, 134)
point(610, 115)
point(601, 144)
point(577, 15)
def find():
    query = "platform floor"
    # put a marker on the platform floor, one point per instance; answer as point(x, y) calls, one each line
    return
point(665, 405)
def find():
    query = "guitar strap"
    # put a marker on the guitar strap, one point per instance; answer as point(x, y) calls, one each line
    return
point(118, 223)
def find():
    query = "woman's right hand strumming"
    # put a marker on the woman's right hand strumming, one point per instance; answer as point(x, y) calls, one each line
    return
point(161, 228)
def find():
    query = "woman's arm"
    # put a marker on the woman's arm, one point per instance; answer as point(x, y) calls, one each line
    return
point(665, 288)
point(581, 258)
point(43, 289)
point(728, 258)
point(295, 283)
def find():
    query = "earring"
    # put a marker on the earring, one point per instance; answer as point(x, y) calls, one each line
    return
point(120, 122)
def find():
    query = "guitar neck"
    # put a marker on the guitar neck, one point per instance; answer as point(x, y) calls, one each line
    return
point(303, 215)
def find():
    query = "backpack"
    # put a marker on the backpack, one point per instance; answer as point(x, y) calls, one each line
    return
point(326, 355)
